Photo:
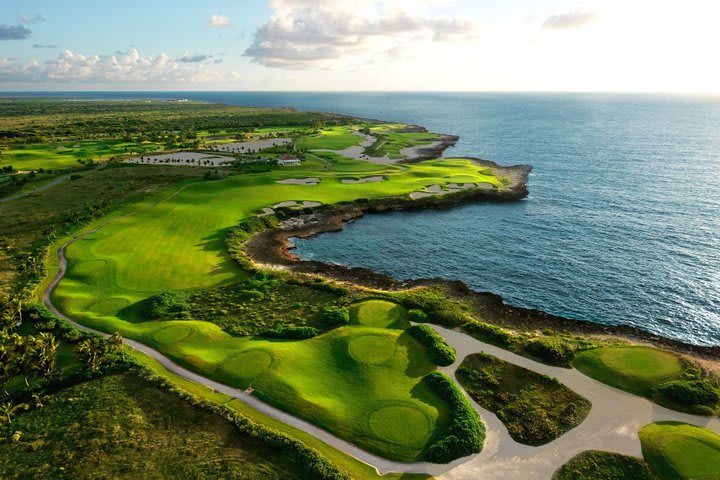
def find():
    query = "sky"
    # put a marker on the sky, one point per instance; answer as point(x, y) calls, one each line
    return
point(361, 45)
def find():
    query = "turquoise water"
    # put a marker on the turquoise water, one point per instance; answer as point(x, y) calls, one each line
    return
point(622, 224)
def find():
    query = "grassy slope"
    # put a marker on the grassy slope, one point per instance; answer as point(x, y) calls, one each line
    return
point(596, 465)
point(633, 369)
point(332, 138)
point(119, 427)
point(534, 408)
point(680, 451)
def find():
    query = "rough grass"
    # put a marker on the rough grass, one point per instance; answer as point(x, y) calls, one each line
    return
point(680, 451)
point(332, 138)
point(636, 370)
point(597, 465)
point(120, 427)
point(536, 409)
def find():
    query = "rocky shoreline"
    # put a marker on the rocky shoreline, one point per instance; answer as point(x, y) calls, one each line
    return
point(272, 249)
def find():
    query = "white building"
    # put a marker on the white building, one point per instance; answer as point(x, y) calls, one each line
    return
point(288, 161)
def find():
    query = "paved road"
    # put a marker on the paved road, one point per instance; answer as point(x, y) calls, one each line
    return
point(611, 425)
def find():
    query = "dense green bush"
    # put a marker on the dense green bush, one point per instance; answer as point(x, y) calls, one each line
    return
point(434, 302)
point(690, 392)
point(166, 304)
point(488, 333)
point(551, 351)
point(291, 332)
point(466, 433)
point(335, 315)
point(417, 316)
point(438, 350)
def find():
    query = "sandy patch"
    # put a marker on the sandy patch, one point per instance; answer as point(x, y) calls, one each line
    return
point(249, 147)
point(354, 181)
point(434, 189)
point(294, 204)
point(266, 211)
point(358, 151)
point(451, 188)
point(417, 151)
point(299, 181)
point(188, 159)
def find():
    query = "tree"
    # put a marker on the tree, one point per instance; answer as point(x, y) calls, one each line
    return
point(46, 354)
point(90, 353)
point(115, 345)
point(9, 409)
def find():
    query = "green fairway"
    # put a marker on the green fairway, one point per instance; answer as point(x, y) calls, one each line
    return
point(680, 451)
point(634, 369)
point(378, 313)
point(332, 138)
point(66, 154)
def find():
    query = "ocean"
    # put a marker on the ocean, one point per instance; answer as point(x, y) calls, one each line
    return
point(622, 224)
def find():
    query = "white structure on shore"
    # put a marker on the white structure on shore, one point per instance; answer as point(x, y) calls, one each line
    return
point(288, 161)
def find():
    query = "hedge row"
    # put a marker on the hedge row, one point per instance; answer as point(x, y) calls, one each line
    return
point(291, 332)
point(466, 432)
point(434, 302)
point(551, 351)
point(438, 350)
point(489, 333)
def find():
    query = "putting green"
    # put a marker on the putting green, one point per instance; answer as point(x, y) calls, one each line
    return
point(372, 348)
point(681, 451)
point(634, 369)
point(249, 364)
point(378, 313)
point(173, 334)
point(401, 424)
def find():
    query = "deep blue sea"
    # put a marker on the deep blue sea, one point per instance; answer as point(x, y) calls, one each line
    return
point(622, 224)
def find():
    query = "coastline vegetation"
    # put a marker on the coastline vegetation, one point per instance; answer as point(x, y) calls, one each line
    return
point(598, 465)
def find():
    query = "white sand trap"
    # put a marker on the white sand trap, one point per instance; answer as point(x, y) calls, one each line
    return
point(188, 159)
point(266, 211)
point(354, 181)
point(254, 146)
point(434, 189)
point(299, 181)
point(358, 151)
point(417, 195)
point(293, 203)
point(285, 204)
point(461, 186)
point(485, 185)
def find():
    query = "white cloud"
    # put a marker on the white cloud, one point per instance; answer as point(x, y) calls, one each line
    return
point(303, 34)
point(26, 19)
point(574, 19)
point(120, 68)
point(219, 21)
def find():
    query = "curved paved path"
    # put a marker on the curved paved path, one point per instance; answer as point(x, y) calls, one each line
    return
point(611, 425)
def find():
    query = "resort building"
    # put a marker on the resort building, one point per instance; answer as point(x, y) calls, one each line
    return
point(288, 161)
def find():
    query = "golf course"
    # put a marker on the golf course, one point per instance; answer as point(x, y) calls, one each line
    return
point(356, 374)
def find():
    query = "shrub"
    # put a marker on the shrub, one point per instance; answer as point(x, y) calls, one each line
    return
point(465, 434)
point(690, 392)
point(335, 315)
point(75, 176)
point(489, 333)
point(551, 351)
point(438, 308)
point(167, 304)
point(438, 350)
point(417, 316)
point(291, 332)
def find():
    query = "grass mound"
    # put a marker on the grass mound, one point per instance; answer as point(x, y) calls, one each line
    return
point(249, 364)
point(378, 313)
point(401, 424)
point(536, 409)
point(681, 451)
point(173, 334)
point(597, 465)
point(372, 348)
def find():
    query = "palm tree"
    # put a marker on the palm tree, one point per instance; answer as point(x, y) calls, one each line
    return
point(46, 354)
point(115, 345)
point(89, 351)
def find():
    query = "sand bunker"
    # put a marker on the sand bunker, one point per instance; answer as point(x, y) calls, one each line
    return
point(266, 211)
point(249, 147)
point(188, 159)
point(357, 151)
point(420, 150)
point(294, 204)
point(450, 188)
point(353, 181)
point(299, 181)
